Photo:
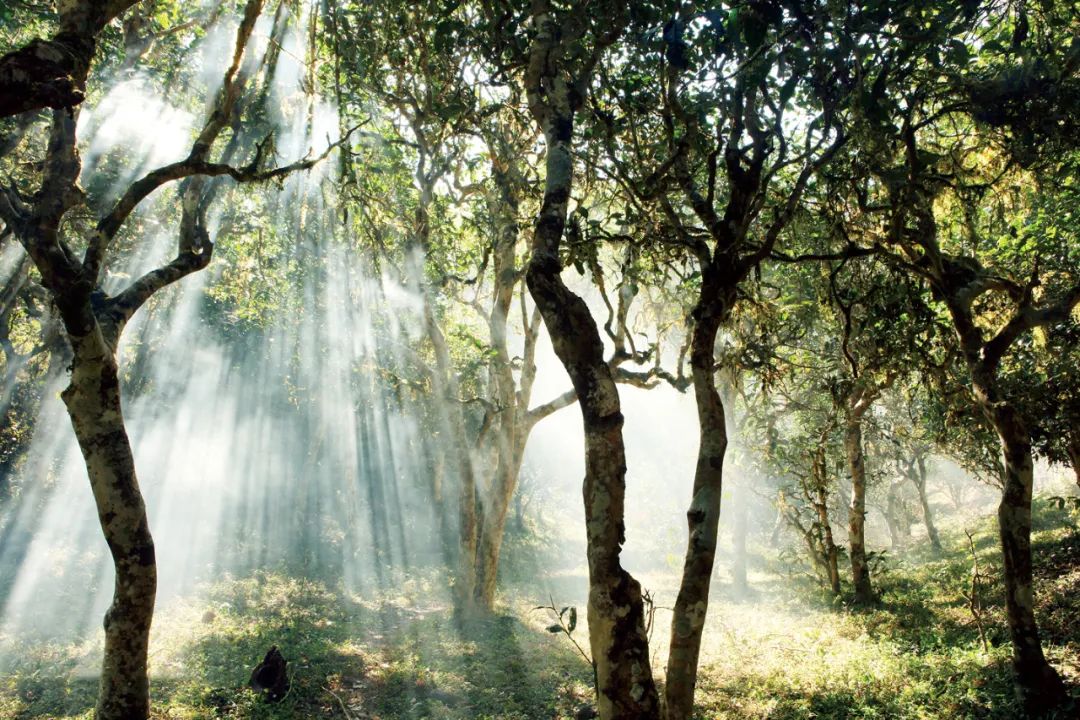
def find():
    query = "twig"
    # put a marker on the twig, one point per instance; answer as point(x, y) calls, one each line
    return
point(974, 604)
point(340, 702)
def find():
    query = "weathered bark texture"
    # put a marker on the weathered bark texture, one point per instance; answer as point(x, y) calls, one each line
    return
point(832, 553)
point(52, 73)
point(93, 403)
point(93, 322)
point(1038, 685)
point(509, 411)
point(891, 502)
point(446, 391)
point(860, 571)
point(688, 616)
point(816, 532)
point(620, 648)
point(819, 498)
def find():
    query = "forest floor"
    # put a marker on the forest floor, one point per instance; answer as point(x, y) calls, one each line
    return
point(783, 650)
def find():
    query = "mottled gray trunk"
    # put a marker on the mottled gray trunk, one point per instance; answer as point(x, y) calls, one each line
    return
point(829, 551)
point(1038, 685)
point(93, 403)
point(493, 529)
point(860, 570)
point(454, 424)
point(832, 553)
point(510, 434)
point(620, 647)
point(703, 517)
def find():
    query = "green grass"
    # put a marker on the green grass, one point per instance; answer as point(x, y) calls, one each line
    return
point(392, 658)
point(785, 651)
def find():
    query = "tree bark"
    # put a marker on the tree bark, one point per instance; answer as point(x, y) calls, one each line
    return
point(454, 424)
point(620, 647)
point(1038, 685)
point(511, 428)
point(703, 517)
point(860, 571)
point(52, 73)
point(832, 553)
point(820, 502)
point(891, 509)
point(918, 477)
point(494, 529)
point(93, 403)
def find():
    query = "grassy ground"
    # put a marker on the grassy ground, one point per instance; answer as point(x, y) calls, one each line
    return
point(917, 654)
point(782, 651)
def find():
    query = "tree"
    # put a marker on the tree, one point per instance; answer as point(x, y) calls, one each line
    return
point(52, 73)
point(92, 324)
point(562, 57)
point(918, 199)
point(709, 169)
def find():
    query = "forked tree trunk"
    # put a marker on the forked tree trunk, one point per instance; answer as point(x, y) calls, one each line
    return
point(454, 423)
point(860, 571)
point(510, 424)
point(820, 501)
point(703, 517)
point(93, 403)
point(832, 553)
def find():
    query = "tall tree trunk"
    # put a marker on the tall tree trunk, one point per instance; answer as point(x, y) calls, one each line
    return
point(820, 501)
point(919, 478)
point(1038, 685)
point(703, 517)
point(860, 571)
point(93, 403)
point(510, 443)
point(494, 527)
point(832, 553)
point(454, 422)
point(620, 647)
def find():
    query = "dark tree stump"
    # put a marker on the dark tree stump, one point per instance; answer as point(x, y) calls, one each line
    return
point(270, 677)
